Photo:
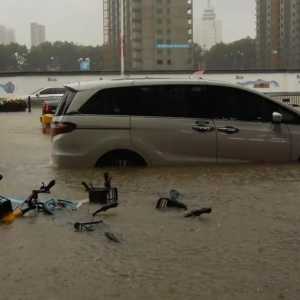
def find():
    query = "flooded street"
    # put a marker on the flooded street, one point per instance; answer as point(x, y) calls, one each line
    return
point(247, 248)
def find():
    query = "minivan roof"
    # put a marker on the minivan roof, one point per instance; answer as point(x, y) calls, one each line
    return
point(121, 82)
point(125, 81)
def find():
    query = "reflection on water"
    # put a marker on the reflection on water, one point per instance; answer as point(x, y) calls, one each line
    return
point(248, 247)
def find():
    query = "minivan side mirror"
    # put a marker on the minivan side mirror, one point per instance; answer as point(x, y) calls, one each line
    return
point(37, 95)
point(276, 117)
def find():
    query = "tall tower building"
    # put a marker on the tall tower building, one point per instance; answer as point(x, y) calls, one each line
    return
point(210, 28)
point(10, 36)
point(111, 27)
point(158, 34)
point(278, 35)
point(38, 34)
point(2, 34)
point(7, 35)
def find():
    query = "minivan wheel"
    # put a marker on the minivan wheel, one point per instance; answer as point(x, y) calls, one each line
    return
point(121, 158)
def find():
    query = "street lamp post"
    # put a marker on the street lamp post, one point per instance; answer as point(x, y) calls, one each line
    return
point(122, 37)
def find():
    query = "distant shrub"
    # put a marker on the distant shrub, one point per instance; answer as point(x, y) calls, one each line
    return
point(8, 105)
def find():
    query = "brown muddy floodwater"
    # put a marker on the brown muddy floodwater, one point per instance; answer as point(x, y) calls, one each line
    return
point(248, 248)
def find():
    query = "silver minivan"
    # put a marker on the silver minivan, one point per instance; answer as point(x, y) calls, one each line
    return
point(171, 121)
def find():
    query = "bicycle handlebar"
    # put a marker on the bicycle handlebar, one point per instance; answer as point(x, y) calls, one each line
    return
point(46, 188)
point(43, 189)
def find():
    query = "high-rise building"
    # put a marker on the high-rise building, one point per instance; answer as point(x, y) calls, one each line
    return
point(38, 34)
point(10, 36)
point(158, 34)
point(111, 26)
point(2, 34)
point(7, 35)
point(278, 35)
point(210, 29)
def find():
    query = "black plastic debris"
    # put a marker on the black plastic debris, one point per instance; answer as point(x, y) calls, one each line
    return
point(112, 237)
point(102, 195)
point(198, 212)
point(172, 202)
point(87, 226)
point(5, 208)
point(105, 208)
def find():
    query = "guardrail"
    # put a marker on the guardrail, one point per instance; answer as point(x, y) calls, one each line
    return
point(288, 98)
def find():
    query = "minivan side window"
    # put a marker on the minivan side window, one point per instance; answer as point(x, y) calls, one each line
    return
point(288, 117)
point(114, 101)
point(200, 105)
point(161, 101)
point(237, 104)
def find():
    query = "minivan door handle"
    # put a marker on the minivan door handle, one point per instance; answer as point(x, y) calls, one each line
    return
point(228, 129)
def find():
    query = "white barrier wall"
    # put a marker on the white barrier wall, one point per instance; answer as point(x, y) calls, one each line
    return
point(23, 85)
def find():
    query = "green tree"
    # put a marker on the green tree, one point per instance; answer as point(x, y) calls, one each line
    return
point(239, 55)
point(198, 57)
point(63, 56)
point(12, 57)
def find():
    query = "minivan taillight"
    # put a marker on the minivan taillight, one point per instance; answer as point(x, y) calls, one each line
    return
point(61, 127)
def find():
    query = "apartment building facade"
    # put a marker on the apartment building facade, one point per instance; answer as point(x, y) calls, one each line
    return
point(37, 34)
point(158, 34)
point(278, 34)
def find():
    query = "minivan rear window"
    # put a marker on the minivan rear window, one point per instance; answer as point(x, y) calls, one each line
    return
point(65, 102)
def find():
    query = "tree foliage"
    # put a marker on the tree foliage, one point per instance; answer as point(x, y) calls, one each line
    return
point(239, 55)
point(57, 56)
point(11, 57)
point(65, 56)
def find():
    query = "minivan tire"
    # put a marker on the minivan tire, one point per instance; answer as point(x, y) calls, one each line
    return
point(121, 158)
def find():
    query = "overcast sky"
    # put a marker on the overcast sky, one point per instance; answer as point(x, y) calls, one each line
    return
point(80, 21)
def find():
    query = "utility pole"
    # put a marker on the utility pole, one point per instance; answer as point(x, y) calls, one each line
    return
point(122, 37)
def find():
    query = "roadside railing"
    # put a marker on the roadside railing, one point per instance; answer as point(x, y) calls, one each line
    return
point(288, 98)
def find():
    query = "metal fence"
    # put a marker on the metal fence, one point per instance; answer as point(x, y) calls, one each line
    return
point(288, 98)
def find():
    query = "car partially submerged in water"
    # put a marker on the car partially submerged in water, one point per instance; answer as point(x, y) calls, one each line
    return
point(171, 121)
point(46, 94)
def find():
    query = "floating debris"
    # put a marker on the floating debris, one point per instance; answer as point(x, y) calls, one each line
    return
point(103, 195)
point(105, 208)
point(5, 208)
point(112, 237)
point(198, 212)
point(87, 226)
point(172, 202)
